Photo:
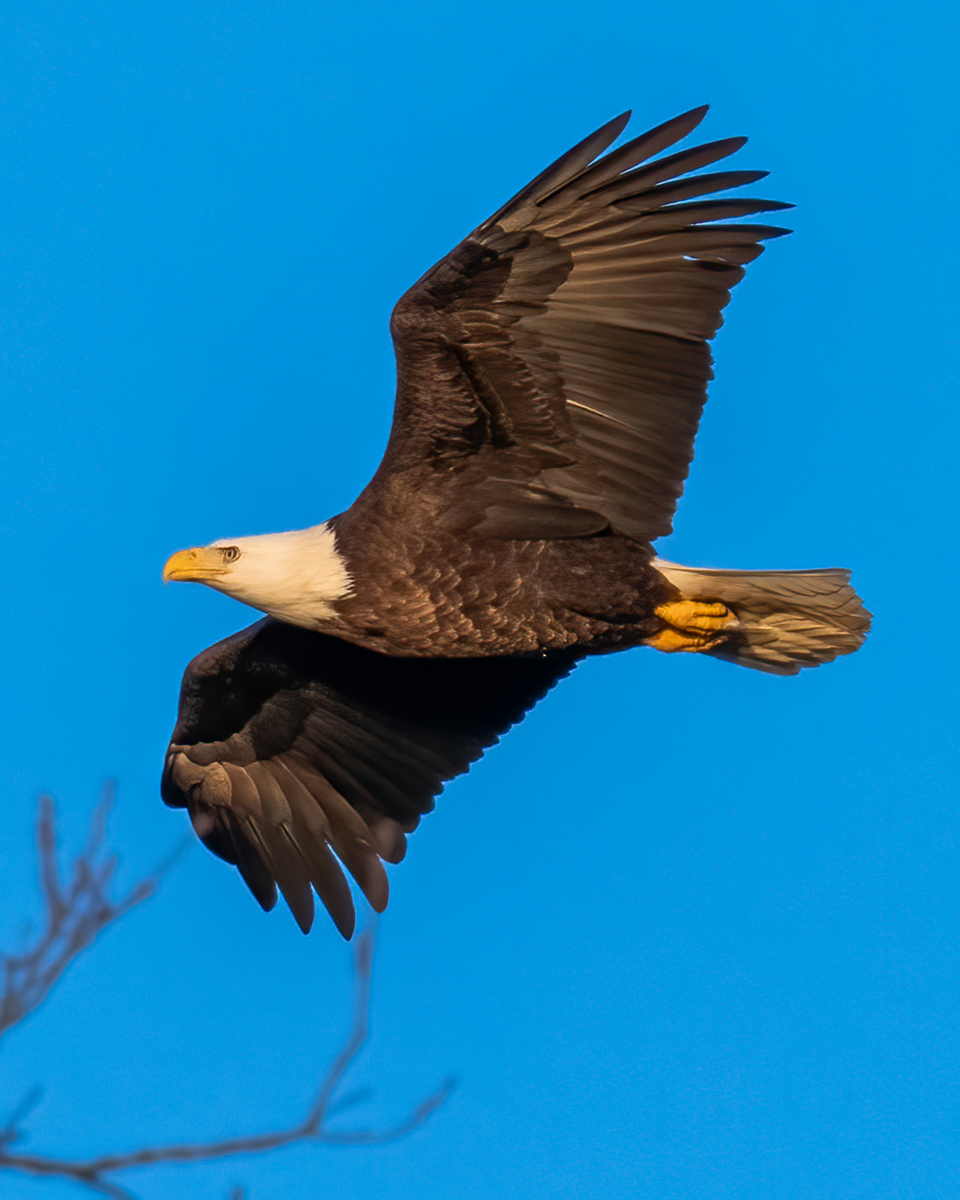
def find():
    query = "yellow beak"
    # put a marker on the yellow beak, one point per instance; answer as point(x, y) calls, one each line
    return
point(194, 566)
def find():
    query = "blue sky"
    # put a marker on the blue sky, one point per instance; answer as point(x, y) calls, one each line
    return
point(691, 931)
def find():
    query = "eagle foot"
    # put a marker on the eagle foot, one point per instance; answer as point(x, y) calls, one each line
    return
point(692, 625)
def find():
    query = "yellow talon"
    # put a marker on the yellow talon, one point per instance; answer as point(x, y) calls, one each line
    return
point(668, 640)
point(692, 614)
point(691, 625)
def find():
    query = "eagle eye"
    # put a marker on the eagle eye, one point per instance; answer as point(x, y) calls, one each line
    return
point(230, 553)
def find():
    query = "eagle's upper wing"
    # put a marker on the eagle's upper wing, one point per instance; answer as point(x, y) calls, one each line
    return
point(292, 748)
point(554, 366)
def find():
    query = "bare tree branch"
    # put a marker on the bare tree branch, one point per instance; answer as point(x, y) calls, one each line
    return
point(75, 914)
point(92, 1172)
point(74, 918)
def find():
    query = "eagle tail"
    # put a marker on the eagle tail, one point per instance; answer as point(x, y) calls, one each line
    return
point(783, 620)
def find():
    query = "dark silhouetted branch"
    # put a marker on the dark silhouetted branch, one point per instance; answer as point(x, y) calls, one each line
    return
point(74, 918)
point(75, 913)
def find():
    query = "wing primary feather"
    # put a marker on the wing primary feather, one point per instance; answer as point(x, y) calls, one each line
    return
point(342, 826)
point(308, 836)
point(681, 163)
point(348, 834)
point(327, 878)
point(252, 867)
point(612, 165)
point(279, 853)
point(276, 806)
point(566, 166)
point(700, 185)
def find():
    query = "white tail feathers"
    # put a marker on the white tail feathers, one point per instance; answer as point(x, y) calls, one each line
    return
point(786, 619)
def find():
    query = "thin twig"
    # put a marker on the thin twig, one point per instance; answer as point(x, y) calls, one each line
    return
point(11, 1131)
point(75, 914)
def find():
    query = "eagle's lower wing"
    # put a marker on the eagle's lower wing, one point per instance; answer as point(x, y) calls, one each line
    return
point(554, 366)
point(293, 750)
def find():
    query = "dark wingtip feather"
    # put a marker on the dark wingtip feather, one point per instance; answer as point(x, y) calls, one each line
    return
point(674, 130)
point(694, 114)
point(757, 232)
point(566, 167)
point(619, 123)
point(254, 874)
point(626, 157)
point(344, 919)
point(281, 860)
point(302, 917)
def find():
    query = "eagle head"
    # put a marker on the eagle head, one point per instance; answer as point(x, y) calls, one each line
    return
point(296, 577)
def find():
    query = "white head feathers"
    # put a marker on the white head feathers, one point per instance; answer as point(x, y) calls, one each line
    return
point(296, 577)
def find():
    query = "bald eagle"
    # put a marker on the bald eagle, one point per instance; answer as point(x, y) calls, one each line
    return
point(552, 370)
